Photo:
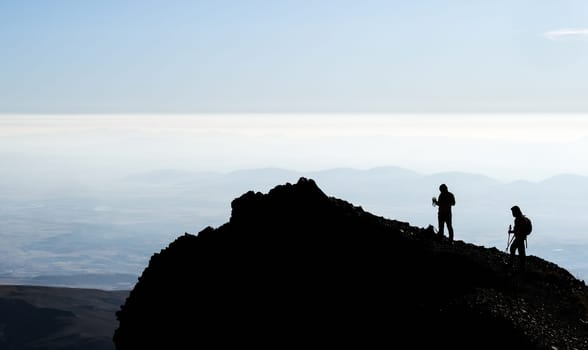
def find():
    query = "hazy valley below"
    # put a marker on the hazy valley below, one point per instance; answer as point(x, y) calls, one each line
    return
point(102, 233)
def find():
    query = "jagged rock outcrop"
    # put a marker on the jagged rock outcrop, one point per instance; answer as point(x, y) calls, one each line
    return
point(295, 267)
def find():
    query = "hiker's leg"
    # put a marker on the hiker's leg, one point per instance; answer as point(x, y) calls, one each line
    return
point(449, 227)
point(441, 223)
point(513, 248)
point(522, 254)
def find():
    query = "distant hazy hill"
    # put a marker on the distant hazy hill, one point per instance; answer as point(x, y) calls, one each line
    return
point(557, 205)
point(103, 281)
point(101, 235)
point(49, 318)
point(295, 267)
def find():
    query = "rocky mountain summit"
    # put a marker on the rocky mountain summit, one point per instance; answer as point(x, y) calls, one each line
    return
point(296, 267)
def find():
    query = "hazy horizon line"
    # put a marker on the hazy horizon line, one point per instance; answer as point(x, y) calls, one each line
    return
point(359, 169)
point(504, 146)
point(189, 113)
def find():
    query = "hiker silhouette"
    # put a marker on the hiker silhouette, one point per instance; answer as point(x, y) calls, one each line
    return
point(522, 227)
point(445, 201)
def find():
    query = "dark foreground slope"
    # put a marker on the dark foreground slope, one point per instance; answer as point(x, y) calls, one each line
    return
point(296, 267)
point(53, 318)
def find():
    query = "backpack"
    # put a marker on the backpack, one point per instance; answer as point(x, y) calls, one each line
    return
point(528, 225)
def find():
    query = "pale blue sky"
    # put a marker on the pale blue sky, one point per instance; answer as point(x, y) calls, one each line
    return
point(172, 56)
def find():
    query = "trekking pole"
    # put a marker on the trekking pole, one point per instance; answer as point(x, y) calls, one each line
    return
point(508, 240)
point(509, 243)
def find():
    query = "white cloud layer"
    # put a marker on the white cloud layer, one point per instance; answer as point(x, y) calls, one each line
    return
point(566, 33)
point(91, 148)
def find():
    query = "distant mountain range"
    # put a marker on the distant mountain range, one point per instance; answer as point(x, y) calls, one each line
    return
point(295, 266)
point(104, 281)
point(101, 233)
point(557, 205)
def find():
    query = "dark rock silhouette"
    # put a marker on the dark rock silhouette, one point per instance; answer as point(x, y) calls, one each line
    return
point(297, 267)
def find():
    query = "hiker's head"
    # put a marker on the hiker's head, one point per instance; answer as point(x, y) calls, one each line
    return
point(516, 211)
point(443, 188)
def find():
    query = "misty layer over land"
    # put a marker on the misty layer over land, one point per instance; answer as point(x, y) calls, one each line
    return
point(101, 232)
point(295, 267)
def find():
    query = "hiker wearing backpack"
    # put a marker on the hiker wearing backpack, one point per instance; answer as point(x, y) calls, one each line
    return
point(522, 228)
point(445, 201)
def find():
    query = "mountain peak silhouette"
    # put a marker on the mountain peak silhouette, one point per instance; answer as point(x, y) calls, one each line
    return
point(296, 267)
